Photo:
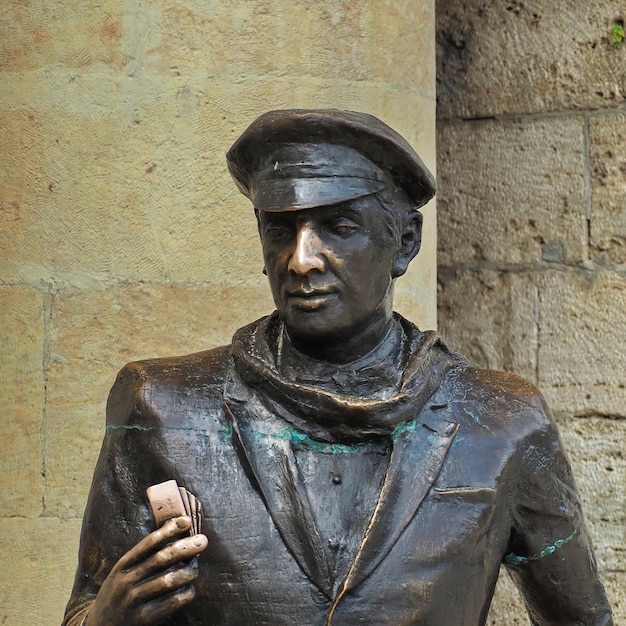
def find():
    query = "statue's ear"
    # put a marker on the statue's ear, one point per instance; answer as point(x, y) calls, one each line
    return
point(410, 243)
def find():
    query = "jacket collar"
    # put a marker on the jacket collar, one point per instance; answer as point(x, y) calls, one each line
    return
point(330, 413)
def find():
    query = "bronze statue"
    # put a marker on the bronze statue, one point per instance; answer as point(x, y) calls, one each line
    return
point(352, 469)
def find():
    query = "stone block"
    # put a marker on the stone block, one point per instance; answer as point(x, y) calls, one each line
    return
point(512, 191)
point(523, 57)
point(582, 332)
point(22, 393)
point(507, 606)
point(595, 449)
point(491, 318)
point(89, 201)
point(181, 38)
point(607, 146)
point(299, 39)
point(68, 222)
point(93, 334)
point(76, 34)
point(615, 585)
point(37, 568)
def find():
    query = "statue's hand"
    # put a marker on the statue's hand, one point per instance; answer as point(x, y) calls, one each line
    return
point(152, 580)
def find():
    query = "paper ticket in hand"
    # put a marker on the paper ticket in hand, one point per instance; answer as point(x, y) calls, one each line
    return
point(168, 500)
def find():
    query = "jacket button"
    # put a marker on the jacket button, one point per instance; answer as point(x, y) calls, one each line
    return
point(318, 597)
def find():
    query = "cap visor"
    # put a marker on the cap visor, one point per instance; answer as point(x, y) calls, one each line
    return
point(293, 194)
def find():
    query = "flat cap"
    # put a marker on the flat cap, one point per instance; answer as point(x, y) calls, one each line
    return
point(294, 159)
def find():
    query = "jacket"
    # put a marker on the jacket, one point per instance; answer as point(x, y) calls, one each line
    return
point(476, 479)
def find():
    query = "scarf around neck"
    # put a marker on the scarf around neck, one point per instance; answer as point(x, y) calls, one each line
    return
point(409, 374)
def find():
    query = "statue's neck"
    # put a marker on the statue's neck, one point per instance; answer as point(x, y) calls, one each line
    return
point(356, 377)
point(343, 351)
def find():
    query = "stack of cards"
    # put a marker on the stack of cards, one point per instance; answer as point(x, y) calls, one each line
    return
point(168, 500)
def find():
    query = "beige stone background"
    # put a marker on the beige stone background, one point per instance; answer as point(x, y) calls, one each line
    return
point(121, 234)
point(531, 149)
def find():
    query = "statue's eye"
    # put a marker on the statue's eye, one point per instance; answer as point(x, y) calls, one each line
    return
point(277, 230)
point(343, 227)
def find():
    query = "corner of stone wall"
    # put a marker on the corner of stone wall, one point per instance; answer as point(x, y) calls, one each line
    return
point(532, 229)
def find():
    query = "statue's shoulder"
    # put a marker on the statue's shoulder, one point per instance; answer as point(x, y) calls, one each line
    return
point(204, 367)
point(499, 402)
point(493, 383)
point(156, 389)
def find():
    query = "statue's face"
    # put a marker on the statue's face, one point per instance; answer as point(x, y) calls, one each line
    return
point(330, 268)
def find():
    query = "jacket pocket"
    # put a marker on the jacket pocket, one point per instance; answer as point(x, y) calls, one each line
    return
point(467, 494)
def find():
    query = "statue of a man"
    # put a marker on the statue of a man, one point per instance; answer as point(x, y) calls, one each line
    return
point(352, 469)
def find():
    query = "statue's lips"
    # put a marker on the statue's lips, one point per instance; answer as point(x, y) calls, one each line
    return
point(310, 299)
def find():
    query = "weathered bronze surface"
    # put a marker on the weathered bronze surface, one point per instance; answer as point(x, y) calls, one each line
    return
point(352, 469)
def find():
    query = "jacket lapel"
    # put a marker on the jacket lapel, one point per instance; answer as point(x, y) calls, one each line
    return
point(418, 453)
point(268, 450)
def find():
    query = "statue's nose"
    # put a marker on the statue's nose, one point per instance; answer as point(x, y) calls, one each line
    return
point(307, 255)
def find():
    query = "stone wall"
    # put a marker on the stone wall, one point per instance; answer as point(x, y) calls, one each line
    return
point(121, 234)
point(532, 228)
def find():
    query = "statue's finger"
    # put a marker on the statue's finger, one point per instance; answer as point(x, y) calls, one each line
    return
point(154, 541)
point(155, 611)
point(165, 584)
point(180, 551)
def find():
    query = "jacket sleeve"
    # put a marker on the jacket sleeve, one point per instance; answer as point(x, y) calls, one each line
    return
point(550, 554)
point(117, 515)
